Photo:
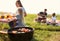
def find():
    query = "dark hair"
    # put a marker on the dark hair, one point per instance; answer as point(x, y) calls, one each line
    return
point(45, 9)
point(19, 3)
point(41, 13)
point(53, 14)
point(2, 17)
point(7, 16)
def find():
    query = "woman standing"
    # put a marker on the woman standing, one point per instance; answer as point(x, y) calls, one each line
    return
point(17, 21)
point(20, 14)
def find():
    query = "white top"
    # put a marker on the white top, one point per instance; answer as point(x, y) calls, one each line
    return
point(20, 8)
point(54, 18)
point(20, 18)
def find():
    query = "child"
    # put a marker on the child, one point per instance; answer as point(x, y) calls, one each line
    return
point(53, 21)
point(53, 18)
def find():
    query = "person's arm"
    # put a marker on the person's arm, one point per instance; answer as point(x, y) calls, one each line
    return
point(4, 20)
point(13, 19)
point(25, 14)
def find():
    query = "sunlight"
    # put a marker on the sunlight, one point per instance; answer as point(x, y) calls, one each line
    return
point(31, 6)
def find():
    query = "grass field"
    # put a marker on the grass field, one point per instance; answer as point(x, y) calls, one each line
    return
point(42, 31)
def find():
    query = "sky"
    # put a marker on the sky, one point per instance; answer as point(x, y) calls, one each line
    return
point(31, 6)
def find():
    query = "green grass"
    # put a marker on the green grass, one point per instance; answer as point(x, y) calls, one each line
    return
point(30, 22)
point(42, 31)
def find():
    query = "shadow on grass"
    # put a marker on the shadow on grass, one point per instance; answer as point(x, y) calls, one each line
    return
point(34, 39)
point(47, 29)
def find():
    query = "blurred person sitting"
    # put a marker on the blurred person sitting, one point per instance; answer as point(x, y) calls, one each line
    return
point(41, 17)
